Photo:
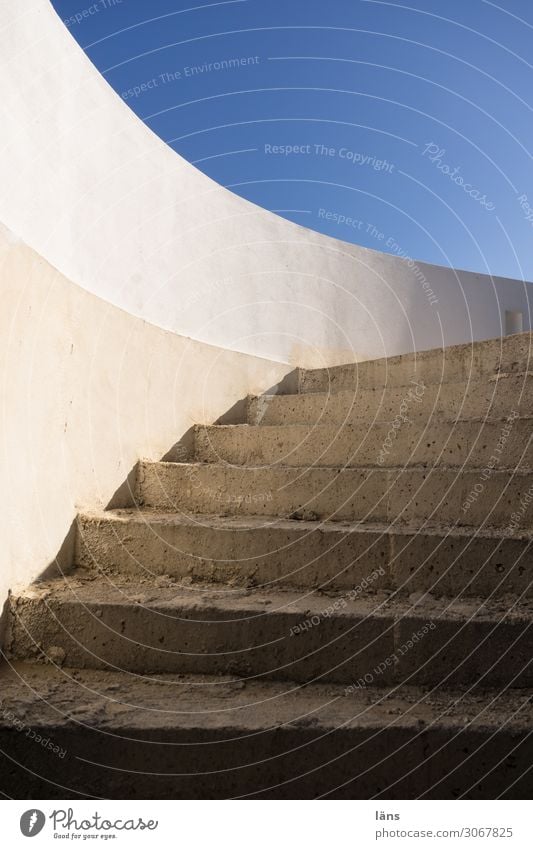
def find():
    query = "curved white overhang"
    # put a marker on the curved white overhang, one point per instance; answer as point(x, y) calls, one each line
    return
point(95, 192)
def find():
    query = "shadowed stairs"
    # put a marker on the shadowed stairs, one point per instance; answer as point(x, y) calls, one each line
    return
point(330, 599)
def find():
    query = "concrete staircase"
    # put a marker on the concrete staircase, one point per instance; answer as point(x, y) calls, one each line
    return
point(332, 598)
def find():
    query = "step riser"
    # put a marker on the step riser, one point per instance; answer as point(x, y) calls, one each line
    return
point(474, 444)
point(288, 558)
point(498, 399)
point(511, 354)
point(356, 651)
point(289, 762)
point(446, 496)
point(358, 562)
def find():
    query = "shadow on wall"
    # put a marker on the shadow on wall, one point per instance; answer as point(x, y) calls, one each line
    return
point(125, 495)
point(87, 389)
point(61, 565)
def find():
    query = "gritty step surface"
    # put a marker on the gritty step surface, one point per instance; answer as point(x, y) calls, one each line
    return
point(404, 442)
point(89, 621)
point(282, 553)
point(115, 735)
point(453, 496)
point(300, 612)
point(497, 397)
point(49, 696)
point(457, 362)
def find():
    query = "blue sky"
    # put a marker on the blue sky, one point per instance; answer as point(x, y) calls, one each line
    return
point(404, 127)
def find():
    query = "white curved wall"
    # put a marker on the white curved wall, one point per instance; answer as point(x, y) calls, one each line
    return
point(87, 390)
point(86, 184)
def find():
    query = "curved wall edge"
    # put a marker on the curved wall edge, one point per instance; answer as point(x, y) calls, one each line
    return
point(93, 190)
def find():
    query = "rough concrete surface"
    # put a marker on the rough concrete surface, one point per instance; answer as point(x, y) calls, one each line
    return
point(302, 607)
point(170, 736)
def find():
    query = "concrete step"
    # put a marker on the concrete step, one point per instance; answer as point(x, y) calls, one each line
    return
point(358, 559)
point(100, 623)
point(507, 443)
point(439, 365)
point(450, 496)
point(94, 734)
point(501, 398)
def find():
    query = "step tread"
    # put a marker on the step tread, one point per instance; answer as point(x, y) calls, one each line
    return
point(465, 385)
point(48, 697)
point(169, 597)
point(155, 516)
point(350, 425)
point(426, 353)
point(346, 470)
point(486, 380)
point(505, 351)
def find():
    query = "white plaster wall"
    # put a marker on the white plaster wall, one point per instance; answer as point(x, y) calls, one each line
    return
point(90, 187)
point(86, 390)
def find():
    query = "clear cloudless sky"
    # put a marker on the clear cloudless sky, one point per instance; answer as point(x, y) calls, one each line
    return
point(402, 126)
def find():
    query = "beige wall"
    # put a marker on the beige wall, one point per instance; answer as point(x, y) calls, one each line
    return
point(86, 391)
